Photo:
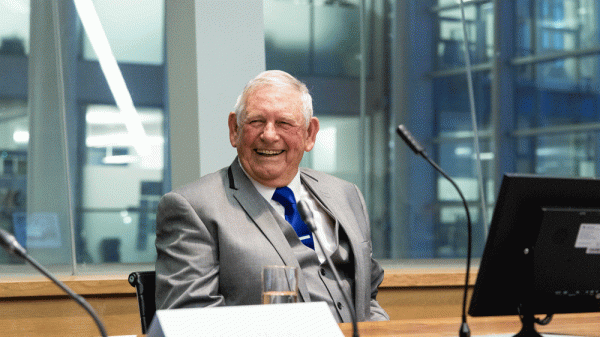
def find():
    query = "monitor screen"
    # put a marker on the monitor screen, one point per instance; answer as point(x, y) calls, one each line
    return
point(543, 248)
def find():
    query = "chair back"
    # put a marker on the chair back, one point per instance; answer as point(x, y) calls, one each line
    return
point(144, 283)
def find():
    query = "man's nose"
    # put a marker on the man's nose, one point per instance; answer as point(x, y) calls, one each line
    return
point(270, 132)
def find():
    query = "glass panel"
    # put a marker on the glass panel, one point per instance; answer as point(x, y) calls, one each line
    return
point(287, 35)
point(337, 39)
point(134, 29)
point(458, 159)
point(563, 92)
point(564, 155)
point(14, 137)
point(121, 188)
point(313, 37)
point(453, 2)
point(450, 49)
point(336, 149)
point(14, 27)
point(453, 111)
point(559, 25)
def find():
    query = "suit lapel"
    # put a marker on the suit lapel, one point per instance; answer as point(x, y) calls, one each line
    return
point(341, 216)
point(332, 205)
point(259, 210)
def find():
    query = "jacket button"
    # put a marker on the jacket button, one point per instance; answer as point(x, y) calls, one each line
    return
point(323, 272)
point(339, 305)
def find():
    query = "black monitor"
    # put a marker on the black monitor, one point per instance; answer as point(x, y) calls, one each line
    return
point(542, 254)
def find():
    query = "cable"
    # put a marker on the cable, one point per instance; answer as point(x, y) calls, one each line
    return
point(473, 117)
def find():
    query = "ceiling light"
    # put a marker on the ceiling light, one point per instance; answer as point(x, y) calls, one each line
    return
point(114, 77)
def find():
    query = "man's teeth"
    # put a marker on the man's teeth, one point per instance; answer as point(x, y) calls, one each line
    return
point(269, 152)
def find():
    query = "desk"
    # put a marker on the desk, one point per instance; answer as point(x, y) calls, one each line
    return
point(573, 324)
point(418, 301)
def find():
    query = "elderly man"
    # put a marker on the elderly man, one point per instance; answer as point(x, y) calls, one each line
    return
point(214, 236)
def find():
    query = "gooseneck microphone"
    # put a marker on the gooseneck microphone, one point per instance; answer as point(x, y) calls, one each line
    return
point(308, 218)
point(12, 246)
point(419, 150)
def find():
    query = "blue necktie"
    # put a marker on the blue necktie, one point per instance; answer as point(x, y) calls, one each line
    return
point(285, 197)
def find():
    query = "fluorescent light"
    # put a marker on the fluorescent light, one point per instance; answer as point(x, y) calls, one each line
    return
point(123, 159)
point(119, 140)
point(462, 151)
point(485, 156)
point(108, 117)
point(21, 137)
point(114, 77)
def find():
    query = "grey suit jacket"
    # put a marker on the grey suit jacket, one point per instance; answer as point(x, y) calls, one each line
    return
point(214, 236)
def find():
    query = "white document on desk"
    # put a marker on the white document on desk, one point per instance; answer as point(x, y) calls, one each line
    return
point(282, 320)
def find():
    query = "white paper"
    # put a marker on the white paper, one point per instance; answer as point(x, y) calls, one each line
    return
point(282, 320)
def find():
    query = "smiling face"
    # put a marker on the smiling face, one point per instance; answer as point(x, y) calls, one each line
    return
point(272, 136)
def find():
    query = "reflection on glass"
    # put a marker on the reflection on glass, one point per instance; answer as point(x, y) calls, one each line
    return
point(14, 27)
point(120, 188)
point(287, 36)
point(14, 137)
point(450, 49)
point(557, 26)
point(562, 155)
point(451, 233)
point(135, 30)
point(452, 106)
point(563, 92)
point(319, 38)
point(458, 159)
point(116, 236)
point(337, 40)
point(335, 151)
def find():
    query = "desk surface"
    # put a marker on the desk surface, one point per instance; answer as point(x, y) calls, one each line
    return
point(566, 324)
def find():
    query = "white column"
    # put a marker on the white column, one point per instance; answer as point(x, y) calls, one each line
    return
point(213, 48)
point(47, 189)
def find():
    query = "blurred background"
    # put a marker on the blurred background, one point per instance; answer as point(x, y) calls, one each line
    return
point(85, 157)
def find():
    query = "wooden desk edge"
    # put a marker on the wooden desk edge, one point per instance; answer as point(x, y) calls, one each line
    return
point(87, 285)
point(90, 285)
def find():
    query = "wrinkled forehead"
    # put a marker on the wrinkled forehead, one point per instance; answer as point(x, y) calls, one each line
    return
point(274, 89)
point(274, 99)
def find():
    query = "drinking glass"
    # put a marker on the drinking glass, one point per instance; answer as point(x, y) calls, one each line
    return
point(279, 284)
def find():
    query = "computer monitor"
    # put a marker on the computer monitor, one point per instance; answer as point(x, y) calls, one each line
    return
point(542, 254)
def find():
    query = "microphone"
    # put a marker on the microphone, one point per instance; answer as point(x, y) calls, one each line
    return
point(419, 150)
point(12, 246)
point(308, 218)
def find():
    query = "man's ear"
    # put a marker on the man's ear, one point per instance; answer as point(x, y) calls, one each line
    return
point(233, 129)
point(311, 133)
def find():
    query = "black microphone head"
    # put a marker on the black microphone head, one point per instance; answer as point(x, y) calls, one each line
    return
point(409, 140)
point(8, 242)
point(306, 215)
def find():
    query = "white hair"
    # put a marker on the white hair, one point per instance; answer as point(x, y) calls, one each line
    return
point(274, 78)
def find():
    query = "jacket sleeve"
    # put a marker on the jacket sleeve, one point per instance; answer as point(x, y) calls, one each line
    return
point(187, 262)
point(376, 312)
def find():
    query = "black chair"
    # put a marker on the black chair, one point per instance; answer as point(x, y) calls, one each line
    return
point(144, 283)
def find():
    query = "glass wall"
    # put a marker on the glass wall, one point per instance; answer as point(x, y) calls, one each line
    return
point(321, 42)
point(14, 122)
point(534, 83)
point(557, 87)
point(81, 136)
point(370, 65)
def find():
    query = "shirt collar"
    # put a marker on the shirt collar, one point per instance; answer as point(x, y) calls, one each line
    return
point(267, 192)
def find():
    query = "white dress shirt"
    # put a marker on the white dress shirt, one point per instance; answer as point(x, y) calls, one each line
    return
point(323, 222)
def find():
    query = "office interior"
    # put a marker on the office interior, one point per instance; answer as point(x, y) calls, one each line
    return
point(99, 118)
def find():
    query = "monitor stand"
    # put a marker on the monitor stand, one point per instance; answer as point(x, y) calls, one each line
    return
point(528, 322)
